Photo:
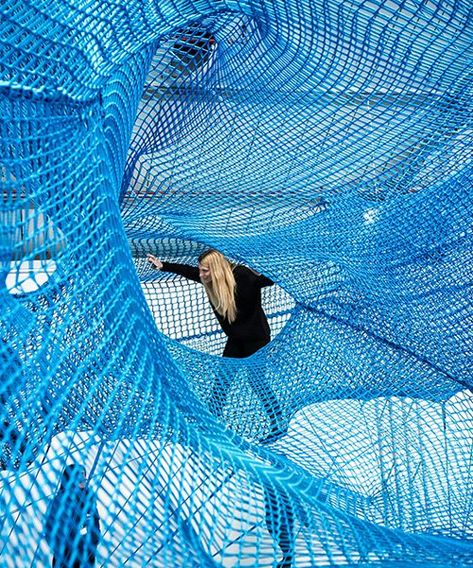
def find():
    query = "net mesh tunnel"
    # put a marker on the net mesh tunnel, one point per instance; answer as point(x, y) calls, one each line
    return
point(325, 145)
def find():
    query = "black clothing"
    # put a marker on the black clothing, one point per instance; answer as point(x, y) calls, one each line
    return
point(251, 324)
point(238, 348)
point(73, 527)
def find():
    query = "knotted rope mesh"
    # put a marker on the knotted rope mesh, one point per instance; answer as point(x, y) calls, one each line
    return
point(325, 145)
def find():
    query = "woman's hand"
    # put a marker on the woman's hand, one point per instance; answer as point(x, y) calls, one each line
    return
point(155, 261)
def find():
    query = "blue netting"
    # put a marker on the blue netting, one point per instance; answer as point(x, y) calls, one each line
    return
point(324, 144)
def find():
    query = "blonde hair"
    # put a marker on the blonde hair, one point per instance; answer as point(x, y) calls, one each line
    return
point(221, 289)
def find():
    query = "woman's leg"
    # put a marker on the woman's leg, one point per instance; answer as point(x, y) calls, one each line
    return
point(266, 395)
point(223, 381)
point(279, 517)
point(234, 349)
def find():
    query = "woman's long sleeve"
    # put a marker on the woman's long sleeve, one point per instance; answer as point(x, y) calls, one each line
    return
point(251, 276)
point(264, 281)
point(185, 270)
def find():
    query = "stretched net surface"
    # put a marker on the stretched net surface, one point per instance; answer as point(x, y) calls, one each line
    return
point(324, 144)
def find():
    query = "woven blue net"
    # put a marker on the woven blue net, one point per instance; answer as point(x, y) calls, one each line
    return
point(324, 144)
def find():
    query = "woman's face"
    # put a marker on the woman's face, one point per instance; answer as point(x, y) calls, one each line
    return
point(82, 479)
point(204, 273)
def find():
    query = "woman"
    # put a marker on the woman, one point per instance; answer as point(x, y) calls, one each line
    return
point(72, 523)
point(234, 292)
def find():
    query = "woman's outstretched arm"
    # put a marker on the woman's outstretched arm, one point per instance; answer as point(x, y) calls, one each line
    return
point(185, 270)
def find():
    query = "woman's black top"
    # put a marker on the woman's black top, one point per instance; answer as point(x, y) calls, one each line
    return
point(251, 323)
point(73, 521)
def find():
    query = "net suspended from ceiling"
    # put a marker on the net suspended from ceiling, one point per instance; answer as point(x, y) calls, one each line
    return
point(326, 147)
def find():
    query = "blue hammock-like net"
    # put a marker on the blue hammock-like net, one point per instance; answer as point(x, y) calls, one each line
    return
point(324, 144)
